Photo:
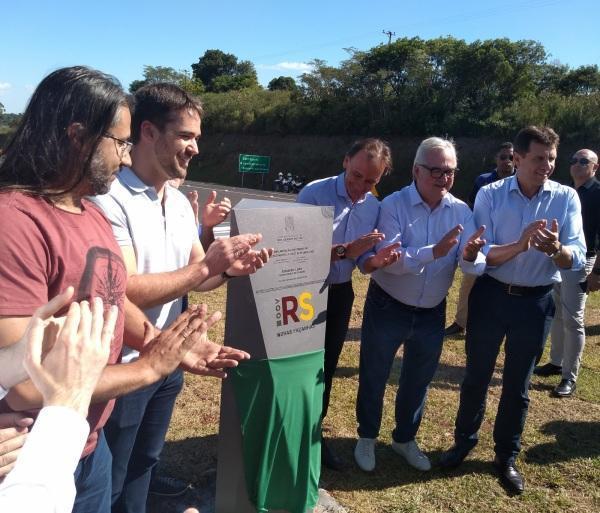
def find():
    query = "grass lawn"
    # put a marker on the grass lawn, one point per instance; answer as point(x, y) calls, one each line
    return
point(560, 458)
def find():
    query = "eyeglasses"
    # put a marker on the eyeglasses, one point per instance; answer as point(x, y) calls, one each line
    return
point(437, 172)
point(582, 161)
point(123, 147)
point(506, 157)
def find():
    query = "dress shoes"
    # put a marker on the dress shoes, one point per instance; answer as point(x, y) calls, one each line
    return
point(454, 329)
point(330, 459)
point(548, 369)
point(565, 388)
point(454, 456)
point(510, 477)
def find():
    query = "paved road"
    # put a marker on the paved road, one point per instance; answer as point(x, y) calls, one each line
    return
point(235, 194)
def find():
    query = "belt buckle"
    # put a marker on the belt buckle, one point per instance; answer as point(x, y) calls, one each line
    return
point(510, 291)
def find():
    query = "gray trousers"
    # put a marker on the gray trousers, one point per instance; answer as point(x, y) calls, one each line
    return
point(568, 327)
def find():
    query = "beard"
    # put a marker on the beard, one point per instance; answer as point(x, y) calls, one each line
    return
point(99, 175)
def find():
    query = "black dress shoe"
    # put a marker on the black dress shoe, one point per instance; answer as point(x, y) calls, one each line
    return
point(548, 369)
point(330, 459)
point(565, 388)
point(510, 477)
point(454, 329)
point(454, 456)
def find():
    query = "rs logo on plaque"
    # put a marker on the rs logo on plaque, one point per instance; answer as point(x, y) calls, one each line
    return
point(287, 307)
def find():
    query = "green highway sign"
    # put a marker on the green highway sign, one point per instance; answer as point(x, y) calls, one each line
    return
point(254, 164)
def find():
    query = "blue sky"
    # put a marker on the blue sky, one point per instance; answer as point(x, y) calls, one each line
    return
point(280, 38)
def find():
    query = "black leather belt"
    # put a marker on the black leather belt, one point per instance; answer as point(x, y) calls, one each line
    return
point(519, 290)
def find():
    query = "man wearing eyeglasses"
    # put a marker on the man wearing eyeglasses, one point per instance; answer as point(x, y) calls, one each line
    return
point(533, 231)
point(406, 301)
point(568, 327)
point(155, 227)
point(504, 168)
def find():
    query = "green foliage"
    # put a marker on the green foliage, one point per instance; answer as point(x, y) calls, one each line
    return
point(166, 74)
point(282, 84)
point(411, 87)
point(221, 72)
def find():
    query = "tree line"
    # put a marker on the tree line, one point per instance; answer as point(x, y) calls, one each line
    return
point(411, 87)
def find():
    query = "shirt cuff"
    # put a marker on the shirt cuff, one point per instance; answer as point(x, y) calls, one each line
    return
point(3, 392)
point(54, 445)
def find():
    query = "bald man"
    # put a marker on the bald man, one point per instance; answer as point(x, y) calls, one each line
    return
point(568, 328)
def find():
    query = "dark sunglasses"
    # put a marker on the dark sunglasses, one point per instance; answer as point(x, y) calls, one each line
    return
point(582, 161)
point(505, 157)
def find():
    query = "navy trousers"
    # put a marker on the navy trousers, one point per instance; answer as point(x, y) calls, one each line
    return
point(135, 433)
point(523, 320)
point(387, 324)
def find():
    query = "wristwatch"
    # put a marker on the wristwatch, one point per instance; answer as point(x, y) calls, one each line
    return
point(340, 251)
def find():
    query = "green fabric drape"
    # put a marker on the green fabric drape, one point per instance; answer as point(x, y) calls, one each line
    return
point(279, 403)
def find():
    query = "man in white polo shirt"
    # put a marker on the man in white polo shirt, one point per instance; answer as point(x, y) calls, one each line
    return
point(154, 225)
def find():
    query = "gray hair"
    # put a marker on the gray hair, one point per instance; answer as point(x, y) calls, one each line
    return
point(431, 144)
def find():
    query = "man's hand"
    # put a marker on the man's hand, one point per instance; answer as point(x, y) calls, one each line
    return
point(357, 247)
point(250, 262)
point(214, 213)
point(70, 371)
point(525, 241)
point(206, 358)
point(546, 240)
point(474, 245)
point(13, 433)
point(161, 355)
point(447, 242)
point(192, 197)
point(223, 253)
point(384, 257)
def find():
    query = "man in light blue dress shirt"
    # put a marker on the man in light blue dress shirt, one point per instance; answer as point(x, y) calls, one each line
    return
point(533, 231)
point(406, 301)
point(355, 217)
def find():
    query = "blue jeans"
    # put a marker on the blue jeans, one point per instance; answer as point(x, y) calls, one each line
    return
point(92, 480)
point(135, 433)
point(524, 320)
point(387, 324)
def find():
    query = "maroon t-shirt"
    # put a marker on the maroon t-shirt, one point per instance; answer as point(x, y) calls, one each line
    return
point(43, 250)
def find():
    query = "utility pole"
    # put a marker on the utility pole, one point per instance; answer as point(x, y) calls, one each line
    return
point(389, 34)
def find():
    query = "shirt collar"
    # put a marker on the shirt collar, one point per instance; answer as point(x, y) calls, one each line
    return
point(514, 186)
point(589, 183)
point(415, 197)
point(133, 182)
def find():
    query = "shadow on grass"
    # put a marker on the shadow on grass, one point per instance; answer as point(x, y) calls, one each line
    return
point(592, 331)
point(191, 459)
point(572, 440)
point(447, 377)
point(391, 470)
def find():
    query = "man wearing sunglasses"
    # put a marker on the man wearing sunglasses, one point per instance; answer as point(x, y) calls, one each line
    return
point(533, 231)
point(567, 333)
point(504, 168)
point(406, 301)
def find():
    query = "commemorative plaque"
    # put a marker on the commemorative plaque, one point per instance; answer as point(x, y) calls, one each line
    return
point(269, 437)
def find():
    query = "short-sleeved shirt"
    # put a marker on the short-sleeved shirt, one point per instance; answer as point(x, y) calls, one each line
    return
point(161, 233)
point(43, 250)
point(351, 220)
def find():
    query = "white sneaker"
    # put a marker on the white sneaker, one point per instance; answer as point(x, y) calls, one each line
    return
point(364, 454)
point(412, 454)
